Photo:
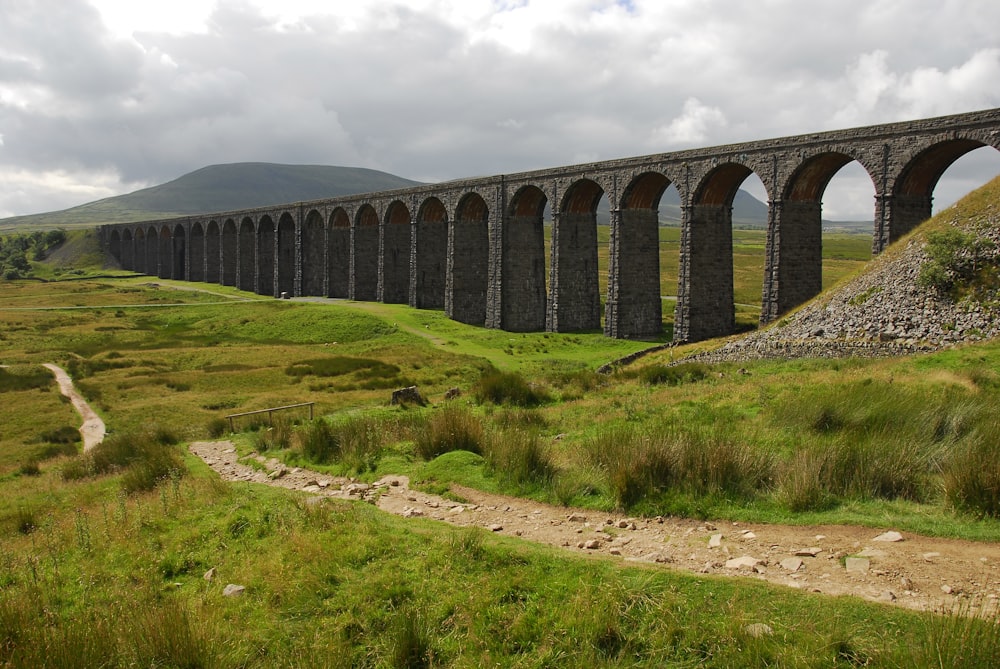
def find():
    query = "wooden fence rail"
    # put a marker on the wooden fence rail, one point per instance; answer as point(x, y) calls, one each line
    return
point(269, 412)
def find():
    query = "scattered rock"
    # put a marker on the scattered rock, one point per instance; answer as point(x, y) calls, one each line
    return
point(408, 395)
point(715, 541)
point(748, 535)
point(889, 537)
point(857, 565)
point(745, 562)
point(233, 590)
point(947, 589)
point(808, 552)
point(496, 528)
point(758, 630)
point(592, 544)
point(792, 564)
point(929, 557)
point(452, 393)
point(410, 512)
point(210, 574)
point(576, 518)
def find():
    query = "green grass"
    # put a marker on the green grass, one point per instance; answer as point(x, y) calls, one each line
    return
point(113, 562)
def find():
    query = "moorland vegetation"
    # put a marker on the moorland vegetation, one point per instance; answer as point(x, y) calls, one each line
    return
point(104, 554)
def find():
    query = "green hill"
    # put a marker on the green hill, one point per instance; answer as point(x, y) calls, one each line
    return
point(219, 188)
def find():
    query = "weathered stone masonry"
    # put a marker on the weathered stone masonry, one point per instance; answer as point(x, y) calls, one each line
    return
point(476, 247)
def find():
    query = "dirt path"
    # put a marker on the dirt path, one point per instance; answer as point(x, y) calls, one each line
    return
point(92, 429)
point(915, 572)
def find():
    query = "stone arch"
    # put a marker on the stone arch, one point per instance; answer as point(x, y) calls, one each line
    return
point(522, 302)
point(128, 249)
point(266, 256)
point(576, 297)
point(431, 254)
point(196, 271)
point(287, 257)
point(911, 198)
point(115, 246)
point(313, 254)
point(213, 257)
point(468, 261)
point(364, 273)
point(793, 271)
point(180, 251)
point(139, 241)
point(395, 266)
point(635, 307)
point(229, 254)
point(153, 252)
point(705, 305)
point(247, 253)
point(339, 254)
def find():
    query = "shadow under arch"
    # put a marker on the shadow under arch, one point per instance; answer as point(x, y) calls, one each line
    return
point(575, 286)
point(523, 297)
point(468, 261)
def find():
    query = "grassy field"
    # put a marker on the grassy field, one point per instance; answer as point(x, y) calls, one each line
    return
point(102, 556)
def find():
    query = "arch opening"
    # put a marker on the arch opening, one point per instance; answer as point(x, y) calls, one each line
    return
point(313, 254)
point(395, 265)
point(287, 256)
point(213, 259)
point(265, 256)
point(575, 302)
point(196, 270)
point(431, 260)
point(364, 276)
point(523, 292)
point(247, 278)
point(339, 254)
point(468, 261)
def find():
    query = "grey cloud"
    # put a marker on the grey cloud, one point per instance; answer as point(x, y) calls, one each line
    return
point(413, 94)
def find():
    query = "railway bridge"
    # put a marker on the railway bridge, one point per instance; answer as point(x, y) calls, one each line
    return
point(476, 248)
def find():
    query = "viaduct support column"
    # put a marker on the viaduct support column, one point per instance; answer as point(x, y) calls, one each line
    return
point(494, 279)
point(634, 308)
point(793, 271)
point(705, 281)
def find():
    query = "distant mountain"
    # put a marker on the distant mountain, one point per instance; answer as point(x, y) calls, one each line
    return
point(220, 188)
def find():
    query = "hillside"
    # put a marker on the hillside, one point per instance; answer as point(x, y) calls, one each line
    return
point(219, 188)
point(937, 287)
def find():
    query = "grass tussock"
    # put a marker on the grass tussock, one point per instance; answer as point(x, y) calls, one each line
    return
point(518, 458)
point(508, 388)
point(972, 474)
point(355, 442)
point(452, 428)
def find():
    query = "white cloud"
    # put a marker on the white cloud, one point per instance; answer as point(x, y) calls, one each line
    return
point(693, 126)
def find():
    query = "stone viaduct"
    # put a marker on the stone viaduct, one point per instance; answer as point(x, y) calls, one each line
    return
point(475, 247)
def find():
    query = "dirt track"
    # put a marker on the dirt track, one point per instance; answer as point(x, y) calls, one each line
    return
point(917, 572)
point(93, 429)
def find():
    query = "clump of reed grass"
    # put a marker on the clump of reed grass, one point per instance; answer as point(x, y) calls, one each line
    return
point(355, 442)
point(972, 474)
point(452, 428)
point(518, 457)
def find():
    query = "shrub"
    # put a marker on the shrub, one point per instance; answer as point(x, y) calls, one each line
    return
point(508, 388)
point(66, 434)
point(957, 262)
point(29, 468)
point(452, 428)
point(142, 457)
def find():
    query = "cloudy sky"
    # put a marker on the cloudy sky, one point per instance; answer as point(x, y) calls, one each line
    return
point(102, 97)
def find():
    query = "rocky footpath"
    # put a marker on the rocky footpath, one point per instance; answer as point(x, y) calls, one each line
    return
point(923, 573)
